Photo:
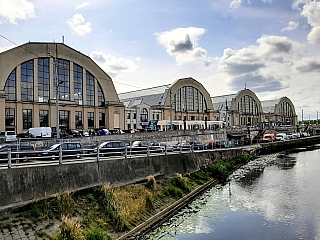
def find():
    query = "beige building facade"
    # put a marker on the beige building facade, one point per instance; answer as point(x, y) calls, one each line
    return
point(187, 99)
point(34, 75)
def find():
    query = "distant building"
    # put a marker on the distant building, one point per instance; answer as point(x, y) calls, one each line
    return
point(245, 109)
point(185, 99)
point(29, 76)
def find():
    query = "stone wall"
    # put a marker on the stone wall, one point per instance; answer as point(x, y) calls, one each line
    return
point(23, 184)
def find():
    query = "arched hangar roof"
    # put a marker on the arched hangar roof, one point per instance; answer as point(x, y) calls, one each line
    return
point(12, 58)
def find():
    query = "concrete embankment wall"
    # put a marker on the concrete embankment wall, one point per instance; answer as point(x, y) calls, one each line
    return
point(22, 184)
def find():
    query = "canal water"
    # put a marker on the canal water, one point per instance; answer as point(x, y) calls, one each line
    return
point(273, 197)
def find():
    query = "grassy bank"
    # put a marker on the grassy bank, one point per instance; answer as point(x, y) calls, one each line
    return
point(107, 212)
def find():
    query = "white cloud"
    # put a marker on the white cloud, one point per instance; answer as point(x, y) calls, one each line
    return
point(256, 64)
point(235, 4)
point(291, 26)
point(83, 5)
point(312, 12)
point(78, 25)
point(310, 64)
point(296, 3)
point(12, 10)
point(182, 44)
point(113, 65)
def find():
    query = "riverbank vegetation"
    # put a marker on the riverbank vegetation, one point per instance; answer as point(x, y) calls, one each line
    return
point(107, 212)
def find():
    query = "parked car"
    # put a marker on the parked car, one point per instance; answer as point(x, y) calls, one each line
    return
point(73, 133)
point(163, 146)
point(40, 132)
point(198, 145)
point(23, 135)
point(281, 137)
point(110, 148)
point(17, 151)
point(268, 137)
point(138, 147)
point(69, 150)
point(183, 146)
point(8, 136)
point(84, 133)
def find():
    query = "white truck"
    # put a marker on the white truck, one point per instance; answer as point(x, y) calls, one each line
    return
point(40, 132)
point(281, 137)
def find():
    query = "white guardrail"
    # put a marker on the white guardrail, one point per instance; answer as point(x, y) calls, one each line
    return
point(11, 159)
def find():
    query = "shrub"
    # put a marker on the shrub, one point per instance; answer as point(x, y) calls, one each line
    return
point(181, 183)
point(149, 201)
point(151, 182)
point(199, 177)
point(70, 230)
point(173, 191)
point(96, 234)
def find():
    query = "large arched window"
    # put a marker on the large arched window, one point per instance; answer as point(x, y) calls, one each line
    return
point(89, 89)
point(27, 81)
point(63, 79)
point(43, 80)
point(285, 109)
point(101, 99)
point(10, 87)
point(189, 99)
point(247, 105)
point(77, 84)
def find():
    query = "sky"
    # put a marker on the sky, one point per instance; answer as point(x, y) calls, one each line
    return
point(271, 47)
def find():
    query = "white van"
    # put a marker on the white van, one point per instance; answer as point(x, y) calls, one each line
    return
point(281, 137)
point(40, 132)
point(8, 136)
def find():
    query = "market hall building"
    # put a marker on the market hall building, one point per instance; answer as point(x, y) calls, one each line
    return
point(29, 76)
point(187, 99)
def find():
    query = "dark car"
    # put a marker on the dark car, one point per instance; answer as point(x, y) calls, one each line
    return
point(74, 133)
point(17, 151)
point(198, 145)
point(183, 146)
point(110, 148)
point(68, 149)
point(24, 135)
point(139, 147)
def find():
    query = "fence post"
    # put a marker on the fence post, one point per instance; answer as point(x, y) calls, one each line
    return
point(126, 152)
point(165, 149)
point(9, 158)
point(148, 150)
point(98, 153)
point(60, 154)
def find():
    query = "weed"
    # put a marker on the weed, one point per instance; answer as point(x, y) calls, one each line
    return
point(70, 229)
point(181, 183)
point(173, 191)
point(149, 201)
point(96, 234)
point(198, 177)
point(151, 182)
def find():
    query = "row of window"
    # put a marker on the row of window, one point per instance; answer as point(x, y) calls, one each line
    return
point(62, 68)
point(189, 98)
point(64, 116)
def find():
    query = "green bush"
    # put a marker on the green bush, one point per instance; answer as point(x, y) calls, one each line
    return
point(199, 177)
point(96, 234)
point(173, 191)
point(181, 183)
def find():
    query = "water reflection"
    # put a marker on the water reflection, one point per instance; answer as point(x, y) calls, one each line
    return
point(270, 198)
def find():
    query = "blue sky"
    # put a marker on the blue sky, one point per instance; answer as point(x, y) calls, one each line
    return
point(271, 46)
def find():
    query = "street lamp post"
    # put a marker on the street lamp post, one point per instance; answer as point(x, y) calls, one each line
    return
point(57, 83)
point(170, 112)
point(57, 96)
